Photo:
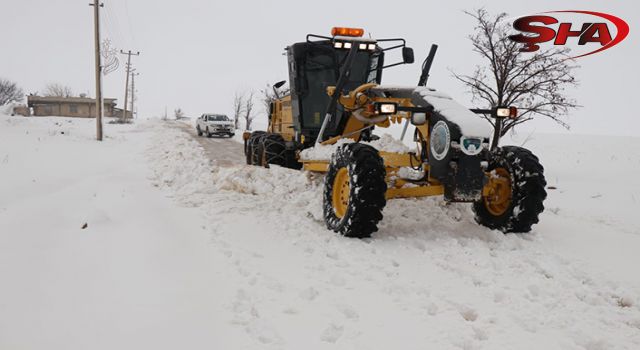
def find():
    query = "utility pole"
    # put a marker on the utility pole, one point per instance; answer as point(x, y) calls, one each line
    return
point(133, 92)
point(126, 85)
point(96, 24)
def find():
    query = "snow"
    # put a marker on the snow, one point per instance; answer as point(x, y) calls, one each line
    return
point(182, 253)
point(386, 143)
point(470, 123)
point(143, 274)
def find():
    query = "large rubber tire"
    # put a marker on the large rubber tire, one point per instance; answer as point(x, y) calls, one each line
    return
point(292, 160)
point(257, 149)
point(367, 188)
point(248, 146)
point(273, 150)
point(528, 193)
point(208, 133)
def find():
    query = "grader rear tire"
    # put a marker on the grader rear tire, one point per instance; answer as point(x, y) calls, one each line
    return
point(257, 149)
point(354, 191)
point(516, 191)
point(273, 150)
point(249, 146)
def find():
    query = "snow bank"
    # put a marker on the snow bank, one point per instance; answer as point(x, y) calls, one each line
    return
point(92, 256)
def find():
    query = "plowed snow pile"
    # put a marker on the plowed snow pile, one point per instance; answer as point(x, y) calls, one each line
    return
point(430, 278)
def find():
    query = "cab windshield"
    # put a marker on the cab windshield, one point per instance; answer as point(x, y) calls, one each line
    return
point(218, 118)
point(322, 69)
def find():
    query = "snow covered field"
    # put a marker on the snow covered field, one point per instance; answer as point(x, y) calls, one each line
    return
point(181, 253)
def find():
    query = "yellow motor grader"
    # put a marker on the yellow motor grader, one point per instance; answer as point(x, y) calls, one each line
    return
point(336, 98)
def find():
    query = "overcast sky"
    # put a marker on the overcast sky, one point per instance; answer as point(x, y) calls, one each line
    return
point(196, 54)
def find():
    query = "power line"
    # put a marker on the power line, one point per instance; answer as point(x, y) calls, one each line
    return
point(115, 26)
point(126, 8)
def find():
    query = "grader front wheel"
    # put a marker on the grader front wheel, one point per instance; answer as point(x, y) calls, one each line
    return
point(340, 193)
point(514, 194)
point(354, 191)
point(497, 196)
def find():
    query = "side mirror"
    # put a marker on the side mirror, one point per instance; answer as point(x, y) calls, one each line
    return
point(418, 118)
point(276, 86)
point(407, 55)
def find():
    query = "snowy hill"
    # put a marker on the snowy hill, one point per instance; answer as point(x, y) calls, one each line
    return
point(182, 253)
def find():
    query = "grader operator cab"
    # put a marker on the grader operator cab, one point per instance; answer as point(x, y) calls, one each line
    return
point(335, 101)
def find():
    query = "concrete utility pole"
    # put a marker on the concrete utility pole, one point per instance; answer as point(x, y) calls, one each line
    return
point(126, 85)
point(96, 24)
point(133, 92)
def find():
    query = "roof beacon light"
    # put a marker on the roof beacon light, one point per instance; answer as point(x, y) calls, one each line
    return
point(343, 31)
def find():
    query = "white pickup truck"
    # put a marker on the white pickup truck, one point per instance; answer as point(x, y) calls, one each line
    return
point(215, 124)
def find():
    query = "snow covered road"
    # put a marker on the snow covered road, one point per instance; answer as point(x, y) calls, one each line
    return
point(220, 150)
point(183, 250)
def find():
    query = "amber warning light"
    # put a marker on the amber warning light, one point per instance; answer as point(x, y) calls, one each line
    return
point(343, 31)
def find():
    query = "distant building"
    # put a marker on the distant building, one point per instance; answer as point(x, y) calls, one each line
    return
point(21, 110)
point(80, 107)
point(118, 112)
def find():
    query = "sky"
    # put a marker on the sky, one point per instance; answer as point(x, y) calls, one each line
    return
point(196, 55)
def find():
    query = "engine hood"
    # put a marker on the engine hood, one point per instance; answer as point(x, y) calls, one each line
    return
point(469, 123)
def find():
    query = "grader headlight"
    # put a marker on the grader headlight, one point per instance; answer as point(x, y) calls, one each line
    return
point(507, 112)
point(386, 107)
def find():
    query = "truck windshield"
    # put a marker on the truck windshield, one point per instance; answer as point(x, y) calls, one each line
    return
point(218, 118)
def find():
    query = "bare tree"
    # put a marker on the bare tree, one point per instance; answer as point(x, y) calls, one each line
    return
point(248, 106)
point(9, 92)
point(238, 107)
point(533, 82)
point(57, 90)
